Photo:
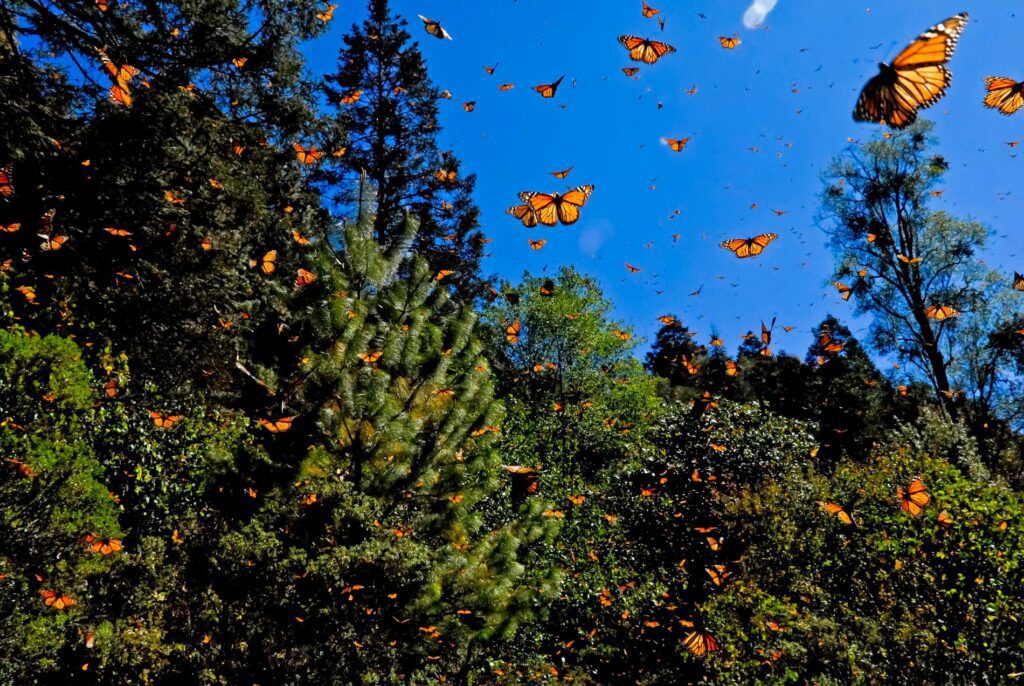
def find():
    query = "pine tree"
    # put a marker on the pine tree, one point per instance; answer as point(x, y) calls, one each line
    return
point(384, 552)
point(387, 105)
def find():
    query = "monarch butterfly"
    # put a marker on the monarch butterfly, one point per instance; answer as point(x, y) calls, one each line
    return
point(52, 242)
point(239, 62)
point(119, 92)
point(749, 247)
point(56, 600)
point(512, 332)
point(829, 344)
point(700, 643)
point(523, 213)
point(1018, 282)
point(445, 95)
point(648, 11)
point(561, 174)
point(174, 198)
point(577, 500)
point(917, 78)
point(103, 547)
point(622, 335)
point(909, 260)
point(1004, 94)
point(548, 288)
point(371, 358)
point(307, 155)
point(537, 244)
point(267, 264)
point(944, 519)
point(442, 273)
point(506, 86)
point(940, 312)
point(327, 13)
point(914, 499)
point(845, 292)
point(434, 28)
point(553, 208)
point(729, 42)
point(10, 228)
point(469, 106)
point(164, 421)
point(352, 97)
point(731, 368)
point(677, 145)
point(206, 243)
point(525, 480)
point(644, 49)
point(304, 278)
point(276, 426)
point(719, 574)
point(766, 333)
point(548, 90)
point(631, 269)
point(837, 510)
point(6, 185)
point(630, 71)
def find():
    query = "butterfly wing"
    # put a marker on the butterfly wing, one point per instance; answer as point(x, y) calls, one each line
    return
point(569, 204)
point(739, 246)
point(933, 47)
point(1003, 94)
point(544, 207)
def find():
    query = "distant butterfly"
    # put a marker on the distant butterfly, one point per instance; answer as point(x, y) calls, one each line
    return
point(630, 71)
point(434, 28)
point(837, 510)
point(561, 174)
point(537, 244)
point(644, 49)
point(103, 547)
point(677, 145)
point(553, 208)
point(1018, 282)
point(327, 13)
point(548, 90)
point(164, 421)
point(729, 42)
point(266, 264)
point(648, 11)
point(940, 312)
point(304, 278)
point(1004, 94)
point(56, 600)
point(506, 86)
point(917, 78)
point(469, 106)
point(914, 499)
point(845, 292)
point(700, 643)
point(749, 247)
point(307, 156)
point(371, 358)
point(276, 426)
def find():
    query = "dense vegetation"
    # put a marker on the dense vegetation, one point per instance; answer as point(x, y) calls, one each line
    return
point(263, 420)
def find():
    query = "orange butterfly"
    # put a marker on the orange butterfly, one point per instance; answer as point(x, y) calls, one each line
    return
point(944, 519)
point(561, 174)
point(940, 312)
point(327, 13)
point(537, 244)
point(525, 480)
point(6, 185)
point(52, 242)
point(917, 78)
point(548, 90)
point(677, 145)
point(630, 71)
point(512, 332)
point(648, 11)
point(371, 358)
point(164, 421)
point(267, 264)
point(837, 510)
point(10, 228)
point(523, 213)
point(276, 426)
point(56, 600)
point(434, 28)
point(119, 92)
point(553, 208)
point(469, 106)
point(1004, 94)
point(104, 548)
point(749, 247)
point(914, 499)
point(729, 42)
point(700, 643)
point(304, 278)
point(719, 574)
point(644, 49)
point(352, 97)
point(845, 292)
point(506, 86)
point(307, 156)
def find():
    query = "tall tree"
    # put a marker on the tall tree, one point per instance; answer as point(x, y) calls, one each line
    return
point(386, 103)
point(915, 270)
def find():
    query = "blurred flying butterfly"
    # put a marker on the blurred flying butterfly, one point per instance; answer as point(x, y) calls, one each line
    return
point(916, 79)
point(700, 643)
point(838, 510)
point(434, 28)
point(677, 144)
point(648, 11)
point(548, 90)
point(561, 174)
point(1004, 94)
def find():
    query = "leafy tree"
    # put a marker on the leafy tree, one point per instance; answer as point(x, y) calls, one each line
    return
point(386, 103)
point(915, 270)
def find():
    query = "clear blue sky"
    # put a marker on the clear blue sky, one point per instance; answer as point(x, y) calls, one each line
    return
point(787, 90)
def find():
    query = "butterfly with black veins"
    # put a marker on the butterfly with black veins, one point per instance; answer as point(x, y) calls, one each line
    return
point(434, 28)
point(916, 79)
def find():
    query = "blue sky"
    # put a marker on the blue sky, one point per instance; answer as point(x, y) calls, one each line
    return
point(766, 120)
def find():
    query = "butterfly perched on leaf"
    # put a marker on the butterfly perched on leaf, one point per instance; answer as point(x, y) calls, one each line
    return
point(917, 78)
point(163, 421)
point(276, 426)
point(749, 247)
point(434, 28)
point(552, 208)
point(512, 332)
point(644, 49)
point(700, 643)
point(57, 601)
point(914, 499)
point(101, 546)
point(1004, 94)
point(371, 357)
point(548, 90)
point(266, 264)
point(838, 510)
point(304, 278)
point(309, 155)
